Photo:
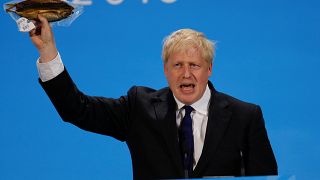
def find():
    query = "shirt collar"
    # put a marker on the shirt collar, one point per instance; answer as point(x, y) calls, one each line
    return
point(201, 105)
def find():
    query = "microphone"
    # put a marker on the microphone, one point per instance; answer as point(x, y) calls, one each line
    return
point(242, 165)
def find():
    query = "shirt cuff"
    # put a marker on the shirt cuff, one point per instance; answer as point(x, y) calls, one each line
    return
point(51, 69)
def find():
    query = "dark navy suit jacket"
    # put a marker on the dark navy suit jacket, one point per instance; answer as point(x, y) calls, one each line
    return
point(236, 139)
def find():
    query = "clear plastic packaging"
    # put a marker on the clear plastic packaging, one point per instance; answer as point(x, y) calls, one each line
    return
point(11, 7)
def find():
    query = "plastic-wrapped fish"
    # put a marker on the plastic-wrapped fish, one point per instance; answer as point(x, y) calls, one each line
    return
point(52, 10)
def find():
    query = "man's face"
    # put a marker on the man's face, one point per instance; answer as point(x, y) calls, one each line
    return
point(187, 74)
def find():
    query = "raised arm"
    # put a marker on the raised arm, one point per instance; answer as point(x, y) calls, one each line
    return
point(96, 114)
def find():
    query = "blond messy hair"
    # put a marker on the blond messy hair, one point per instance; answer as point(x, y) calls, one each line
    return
point(185, 39)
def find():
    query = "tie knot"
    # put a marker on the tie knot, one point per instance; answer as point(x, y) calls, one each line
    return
point(188, 109)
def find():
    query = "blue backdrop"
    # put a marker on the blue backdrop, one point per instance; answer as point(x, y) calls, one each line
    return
point(268, 53)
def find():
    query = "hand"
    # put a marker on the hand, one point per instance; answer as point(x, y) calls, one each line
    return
point(42, 38)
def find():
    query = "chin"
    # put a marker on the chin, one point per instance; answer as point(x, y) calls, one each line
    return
point(187, 101)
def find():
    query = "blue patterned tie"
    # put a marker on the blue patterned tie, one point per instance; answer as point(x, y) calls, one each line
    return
point(186, 141)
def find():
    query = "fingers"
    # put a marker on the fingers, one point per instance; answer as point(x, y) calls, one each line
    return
point(37, 30)
point(32, 32)
point(35, 34)
point(43, 29)
point(36, 38)
point(43, 21)
point(42, 37)
point(45, 26)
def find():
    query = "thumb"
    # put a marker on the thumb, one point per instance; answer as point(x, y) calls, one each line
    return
point(45, 26)
point(43, 20)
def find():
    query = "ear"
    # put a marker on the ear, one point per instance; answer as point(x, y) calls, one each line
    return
point(210, 70)
point(165, 69)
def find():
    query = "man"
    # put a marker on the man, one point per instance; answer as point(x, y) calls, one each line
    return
point(184, 131)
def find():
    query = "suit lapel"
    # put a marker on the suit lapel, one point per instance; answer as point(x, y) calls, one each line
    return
point(165, 109)
point(218, 120)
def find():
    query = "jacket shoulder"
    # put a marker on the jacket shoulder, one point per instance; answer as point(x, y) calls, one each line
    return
point(234, 103)
point(147, 91)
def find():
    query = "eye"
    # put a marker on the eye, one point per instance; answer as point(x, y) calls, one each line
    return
point(177, 65)
point(194, 66)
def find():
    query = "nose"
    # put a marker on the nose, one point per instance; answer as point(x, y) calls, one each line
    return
point(186, 72)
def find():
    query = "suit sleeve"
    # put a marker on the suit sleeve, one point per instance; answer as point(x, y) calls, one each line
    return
point(105, 116)
point(259, 157)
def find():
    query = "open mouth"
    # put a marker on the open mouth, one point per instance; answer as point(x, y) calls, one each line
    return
point(187, 86)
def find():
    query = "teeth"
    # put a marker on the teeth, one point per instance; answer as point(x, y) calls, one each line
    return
point(186, 85)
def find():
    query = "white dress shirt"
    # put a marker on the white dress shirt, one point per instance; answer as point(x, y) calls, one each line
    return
point(53, 68)
point(199, 121)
